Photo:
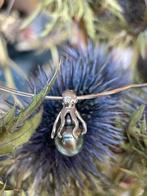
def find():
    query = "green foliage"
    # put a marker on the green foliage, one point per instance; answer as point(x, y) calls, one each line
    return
point(133, 163)
point(15, 130)
point(10, 141)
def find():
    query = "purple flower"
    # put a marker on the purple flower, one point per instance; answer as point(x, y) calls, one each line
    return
point(42, 166)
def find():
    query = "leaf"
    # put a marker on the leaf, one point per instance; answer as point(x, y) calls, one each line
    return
point(129, 172)
point(17, 129)
point(137, 132)
point(10, 141)
point(144, 130)
point(89, 21)
point(4, 54)
point(142, 44)
point(114, 7)
point(31, 18)
point(41, 6)
point(36, 102)
point(113, 4)
point(136, 116)
point(4, 187)
point(7, 119)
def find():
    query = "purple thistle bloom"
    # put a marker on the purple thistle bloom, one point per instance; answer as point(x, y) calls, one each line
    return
point(85, 73)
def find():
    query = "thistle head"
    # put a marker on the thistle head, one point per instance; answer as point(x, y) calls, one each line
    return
point(51, 164)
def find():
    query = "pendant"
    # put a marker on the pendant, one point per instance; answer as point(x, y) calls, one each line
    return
point(69, 145)
point(69, 127)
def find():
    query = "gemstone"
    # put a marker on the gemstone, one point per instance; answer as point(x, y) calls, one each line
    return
point(68, 145)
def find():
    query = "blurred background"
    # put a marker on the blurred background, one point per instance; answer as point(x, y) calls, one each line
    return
point(32, 32)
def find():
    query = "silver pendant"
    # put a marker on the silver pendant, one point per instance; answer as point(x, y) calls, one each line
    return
point(69, 127)
point(68, 145)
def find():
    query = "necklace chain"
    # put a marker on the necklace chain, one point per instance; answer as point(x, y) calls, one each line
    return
point(81, 97)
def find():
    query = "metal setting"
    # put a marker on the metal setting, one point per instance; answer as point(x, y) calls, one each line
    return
point(69, 108)
point(68, 145)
